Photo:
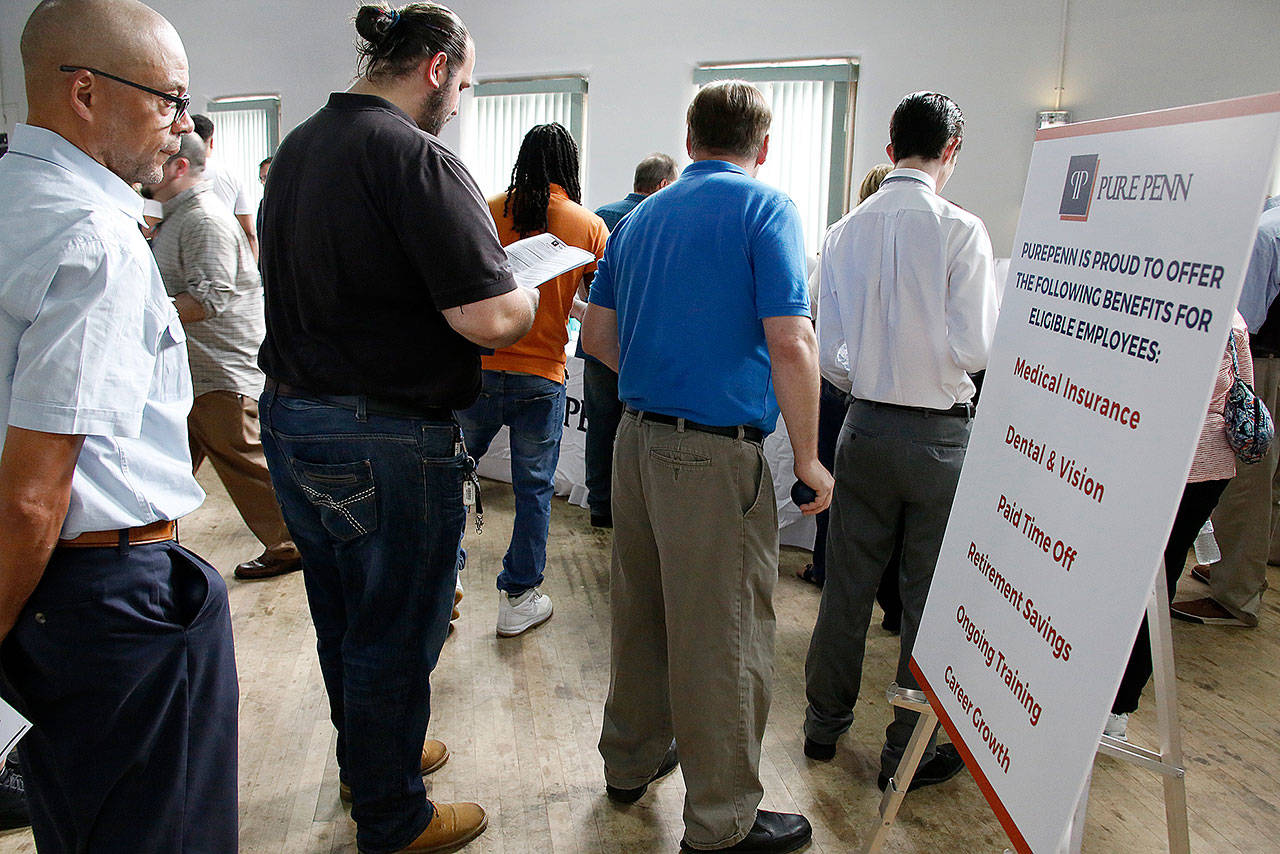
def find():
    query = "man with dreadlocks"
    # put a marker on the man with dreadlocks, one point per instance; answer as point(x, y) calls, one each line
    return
point(524, 384)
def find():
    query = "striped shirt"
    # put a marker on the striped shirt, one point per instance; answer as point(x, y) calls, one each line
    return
point(201, 249)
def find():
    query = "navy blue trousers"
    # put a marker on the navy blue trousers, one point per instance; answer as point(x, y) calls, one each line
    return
point(122, 659)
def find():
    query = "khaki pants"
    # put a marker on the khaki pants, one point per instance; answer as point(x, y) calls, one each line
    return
point(1245, 517)
point(695, 560)
point(223, 427)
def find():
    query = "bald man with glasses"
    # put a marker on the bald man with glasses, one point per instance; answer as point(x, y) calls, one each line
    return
point(116, 640)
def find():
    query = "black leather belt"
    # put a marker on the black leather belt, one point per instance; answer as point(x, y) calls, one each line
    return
point(960, 410)
point(373, 405)
point(745, 431)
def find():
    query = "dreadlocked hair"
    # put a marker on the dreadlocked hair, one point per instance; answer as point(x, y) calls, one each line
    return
point(547, 156)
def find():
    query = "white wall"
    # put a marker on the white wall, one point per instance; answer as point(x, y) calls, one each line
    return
point(998, 59)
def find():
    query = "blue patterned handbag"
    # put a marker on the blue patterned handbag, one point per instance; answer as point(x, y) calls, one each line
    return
point(1249, 425)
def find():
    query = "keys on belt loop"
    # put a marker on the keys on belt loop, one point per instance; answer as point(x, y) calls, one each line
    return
point(471, 486)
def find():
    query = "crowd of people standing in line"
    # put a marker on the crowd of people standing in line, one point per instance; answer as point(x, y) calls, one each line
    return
point(289, 348)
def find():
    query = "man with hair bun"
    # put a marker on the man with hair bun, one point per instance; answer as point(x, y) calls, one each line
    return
point(906, 311)
point(700, 305)
point(384, 279)
point(117, 641)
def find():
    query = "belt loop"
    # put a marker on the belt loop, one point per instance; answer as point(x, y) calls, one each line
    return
point(742, 433)
point(679, 425)
point(362, 408)
point(124, 542)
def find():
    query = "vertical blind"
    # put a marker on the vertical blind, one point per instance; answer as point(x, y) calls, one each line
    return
point(799, 160)
point(501, 123)
point(244, 134)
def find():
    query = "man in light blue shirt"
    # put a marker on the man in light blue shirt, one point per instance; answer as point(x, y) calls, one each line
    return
point(117, 641)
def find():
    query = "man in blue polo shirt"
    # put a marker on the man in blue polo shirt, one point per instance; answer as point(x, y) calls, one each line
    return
point(700, 304)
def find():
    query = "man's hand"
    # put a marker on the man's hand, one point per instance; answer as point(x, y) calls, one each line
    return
point(188, 308)
point(35, 490)
point(815, 475)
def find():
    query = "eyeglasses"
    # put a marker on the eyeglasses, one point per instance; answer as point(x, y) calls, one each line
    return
point(180, 102)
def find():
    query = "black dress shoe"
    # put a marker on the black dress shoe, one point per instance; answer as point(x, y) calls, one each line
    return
point(818, 750)
point(773, 833)
point(630, 796)
point(602, 520)
point(944, 765)
point(267, 566)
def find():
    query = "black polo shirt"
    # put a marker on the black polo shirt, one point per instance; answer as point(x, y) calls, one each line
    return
point(371, 227)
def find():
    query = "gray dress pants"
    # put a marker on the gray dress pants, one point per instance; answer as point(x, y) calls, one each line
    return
point(891, 464)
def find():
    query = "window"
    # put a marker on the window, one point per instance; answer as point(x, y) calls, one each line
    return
point(246, 130)
point(501, 113)
point(810, 141)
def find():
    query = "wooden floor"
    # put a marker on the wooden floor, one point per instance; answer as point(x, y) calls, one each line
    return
point(522, 716)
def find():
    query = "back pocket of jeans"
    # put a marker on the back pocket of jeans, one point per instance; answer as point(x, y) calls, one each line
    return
point(343, 494)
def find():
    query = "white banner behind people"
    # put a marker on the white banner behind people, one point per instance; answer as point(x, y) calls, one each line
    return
point(1132, 244)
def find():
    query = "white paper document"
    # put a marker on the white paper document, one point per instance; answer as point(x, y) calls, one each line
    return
point(13, 727)
point(541, 258)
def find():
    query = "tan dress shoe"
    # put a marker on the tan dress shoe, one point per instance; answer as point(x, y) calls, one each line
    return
point(434, 755)
point(453, 826)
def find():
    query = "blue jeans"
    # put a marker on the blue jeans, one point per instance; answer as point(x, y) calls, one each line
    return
point(604, 411)
point(533, 408)
point(374, 504)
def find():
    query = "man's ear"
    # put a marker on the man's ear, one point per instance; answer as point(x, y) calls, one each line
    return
point(82, 94)
point(764, 151)
point(437, 69)
point(181, 167)
point(953, 147)
point(688, 142)
point(888, 150)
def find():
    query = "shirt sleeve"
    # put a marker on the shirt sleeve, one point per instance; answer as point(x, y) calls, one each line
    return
point(445, 227)
point(1261, 280)
point(211, 255)
point(972, 299)
point(243, 204)
point(602, 293)
point(778, 263)
point(87, 357)
point(833, 350)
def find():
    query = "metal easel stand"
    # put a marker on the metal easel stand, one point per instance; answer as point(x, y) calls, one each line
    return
point(1168, 760)
point(900, 782)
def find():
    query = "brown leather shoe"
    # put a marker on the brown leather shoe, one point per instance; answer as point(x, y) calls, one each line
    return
point(434, 755)
point(266, 565)
point(453, 826)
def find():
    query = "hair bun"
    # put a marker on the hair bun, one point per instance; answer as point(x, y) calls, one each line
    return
point(374, 22)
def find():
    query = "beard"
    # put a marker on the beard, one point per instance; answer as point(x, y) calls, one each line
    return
point(434, 113)
point(134, 161)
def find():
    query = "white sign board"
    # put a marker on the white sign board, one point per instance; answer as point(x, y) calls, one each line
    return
point(1131, 248)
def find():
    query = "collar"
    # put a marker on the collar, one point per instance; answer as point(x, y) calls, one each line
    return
point(905, 174)
point(710, 166)
point(182, 199)
point(635, 197)
point(43, 144)
point(360, 101)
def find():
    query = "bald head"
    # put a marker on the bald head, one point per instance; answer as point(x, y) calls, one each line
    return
point(122, 38)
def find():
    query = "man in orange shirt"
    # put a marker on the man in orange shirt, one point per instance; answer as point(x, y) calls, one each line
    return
point(524, 384)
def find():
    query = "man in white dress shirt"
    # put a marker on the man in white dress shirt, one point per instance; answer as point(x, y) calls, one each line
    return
point(117, 641)
point(227, 186)
point(907, 309)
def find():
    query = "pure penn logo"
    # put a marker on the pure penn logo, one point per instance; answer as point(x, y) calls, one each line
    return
point(1077, 192)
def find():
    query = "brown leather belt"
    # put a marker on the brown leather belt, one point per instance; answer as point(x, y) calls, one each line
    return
point(156, 532)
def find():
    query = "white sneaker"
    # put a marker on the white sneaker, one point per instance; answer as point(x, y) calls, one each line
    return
point(1117, 727)
point(516, 616)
